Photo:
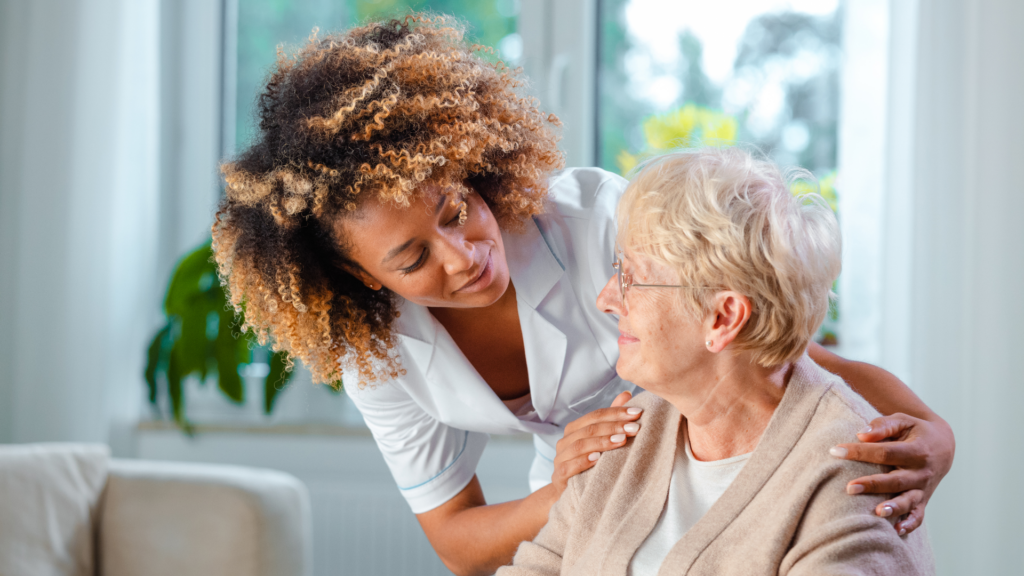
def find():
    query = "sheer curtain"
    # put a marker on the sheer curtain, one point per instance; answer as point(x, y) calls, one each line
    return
point(944, 261)
point(79, 169)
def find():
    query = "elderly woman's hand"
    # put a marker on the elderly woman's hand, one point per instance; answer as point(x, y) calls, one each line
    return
point(921, 452)
point(587, 437)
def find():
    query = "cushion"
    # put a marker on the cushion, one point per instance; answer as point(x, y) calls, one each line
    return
point(49, 496)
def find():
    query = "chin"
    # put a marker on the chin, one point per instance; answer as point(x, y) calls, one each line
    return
point(622, 369)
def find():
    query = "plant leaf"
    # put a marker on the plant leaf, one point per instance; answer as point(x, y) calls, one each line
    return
point(276, 380)
point(227, 354)
point(174, 390)
point(192, 344)
point(156, 361)
point(186, 283)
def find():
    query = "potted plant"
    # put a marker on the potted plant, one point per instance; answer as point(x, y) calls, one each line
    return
point(201, 338)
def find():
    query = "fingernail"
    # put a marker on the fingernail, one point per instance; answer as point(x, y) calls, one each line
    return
point(618, 438)
point(886, 511)
point(903, 531)
point(632, 427)
point(855, 489)
point(594, 456)
point(634, 410)
point(865, 430)
point(838, 451)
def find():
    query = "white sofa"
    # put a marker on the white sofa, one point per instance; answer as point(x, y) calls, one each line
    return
point(71, 510)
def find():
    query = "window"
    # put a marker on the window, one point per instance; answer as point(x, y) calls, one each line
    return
point(674, 74)
point(263, 25)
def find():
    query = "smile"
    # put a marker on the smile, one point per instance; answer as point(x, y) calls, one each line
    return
point(482, 280)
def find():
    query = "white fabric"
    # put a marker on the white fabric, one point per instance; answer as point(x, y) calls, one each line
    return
point(432, 423)
point(694, 488)
point(170, 518)
point(49, 498)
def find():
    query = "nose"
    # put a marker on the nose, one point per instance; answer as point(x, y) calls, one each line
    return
point(459, 256)
point(609, 301)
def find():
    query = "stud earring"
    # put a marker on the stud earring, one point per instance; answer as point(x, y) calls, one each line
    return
point(708, 343)
point(463, 213)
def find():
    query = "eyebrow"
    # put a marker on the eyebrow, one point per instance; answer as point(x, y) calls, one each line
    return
point(405, 245)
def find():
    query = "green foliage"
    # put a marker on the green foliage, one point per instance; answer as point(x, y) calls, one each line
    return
point(690, 125)
point(198, 339)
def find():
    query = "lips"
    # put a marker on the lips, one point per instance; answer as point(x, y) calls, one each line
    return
point(482, 280)
point(627, 338)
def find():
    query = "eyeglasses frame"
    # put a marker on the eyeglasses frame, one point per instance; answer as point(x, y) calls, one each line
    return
point(625, 282)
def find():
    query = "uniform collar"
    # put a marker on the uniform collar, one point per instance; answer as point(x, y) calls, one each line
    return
point(534, 271)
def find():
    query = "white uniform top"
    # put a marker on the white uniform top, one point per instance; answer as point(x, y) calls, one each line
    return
point(694, 489)
point(433, 422)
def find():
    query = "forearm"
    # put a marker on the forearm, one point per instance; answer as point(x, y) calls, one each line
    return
point(475, 538)
point(887, 393)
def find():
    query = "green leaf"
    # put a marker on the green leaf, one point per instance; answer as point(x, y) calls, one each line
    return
point(226, 350)
point(156, 361)
point(276, 380)
point(174, 388)
point(193, 346)
point(187, 282)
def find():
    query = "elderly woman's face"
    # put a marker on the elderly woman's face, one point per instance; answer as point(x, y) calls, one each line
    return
point(425, 255)
point(658, 339)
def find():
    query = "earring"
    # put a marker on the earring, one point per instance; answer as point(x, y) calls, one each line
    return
point(708, 343)
point(463, 213)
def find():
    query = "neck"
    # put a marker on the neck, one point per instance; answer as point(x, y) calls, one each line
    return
point(728, 403)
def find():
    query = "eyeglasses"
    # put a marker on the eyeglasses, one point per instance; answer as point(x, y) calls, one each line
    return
point(625, 281)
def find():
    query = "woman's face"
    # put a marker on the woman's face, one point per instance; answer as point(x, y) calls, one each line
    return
point(424, 255)
point(659, 341)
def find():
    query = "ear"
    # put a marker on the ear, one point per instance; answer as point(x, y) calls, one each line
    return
point(730, 314)
point(361, 275)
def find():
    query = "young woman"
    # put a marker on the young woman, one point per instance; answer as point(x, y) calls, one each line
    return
point(397, 219)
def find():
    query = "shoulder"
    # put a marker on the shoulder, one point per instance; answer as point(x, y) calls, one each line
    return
point(655, 407)
point(578, 192)
point(841, 413)
point(659, 425)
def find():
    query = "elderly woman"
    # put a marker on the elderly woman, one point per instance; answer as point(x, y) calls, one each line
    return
point(722, 280)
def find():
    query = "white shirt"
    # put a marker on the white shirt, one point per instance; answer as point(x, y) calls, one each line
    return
point(432, 423)
point(694, 488)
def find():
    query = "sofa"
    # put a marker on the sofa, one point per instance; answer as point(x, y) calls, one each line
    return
point(72, 510)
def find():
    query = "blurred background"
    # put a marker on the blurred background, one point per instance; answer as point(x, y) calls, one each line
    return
point(114, 115)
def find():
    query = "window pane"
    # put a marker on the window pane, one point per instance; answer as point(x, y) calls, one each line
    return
point(758, 72)
point(264, 24)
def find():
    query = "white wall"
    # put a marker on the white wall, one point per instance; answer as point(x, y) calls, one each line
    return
point(968, 269)
point(78, 202)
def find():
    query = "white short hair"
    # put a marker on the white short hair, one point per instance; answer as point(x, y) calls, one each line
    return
point(725, 219)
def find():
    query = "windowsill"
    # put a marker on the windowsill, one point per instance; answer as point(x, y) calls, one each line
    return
point(311, 429)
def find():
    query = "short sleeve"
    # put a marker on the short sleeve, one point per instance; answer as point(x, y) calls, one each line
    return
point(431, 462)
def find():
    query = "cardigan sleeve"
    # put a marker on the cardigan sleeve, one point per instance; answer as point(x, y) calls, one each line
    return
point(543, 556)
point(858, 546)
point(841, 535)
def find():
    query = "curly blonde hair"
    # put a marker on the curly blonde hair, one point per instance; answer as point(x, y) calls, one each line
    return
point(379, 110)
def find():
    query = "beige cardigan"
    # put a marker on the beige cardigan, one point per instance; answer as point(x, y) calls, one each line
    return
point(786, 513)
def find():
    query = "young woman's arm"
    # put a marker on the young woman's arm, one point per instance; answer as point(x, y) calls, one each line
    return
point(920, 443)
point(472, 537)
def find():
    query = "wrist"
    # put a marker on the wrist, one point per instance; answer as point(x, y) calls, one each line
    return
point(543, 499)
